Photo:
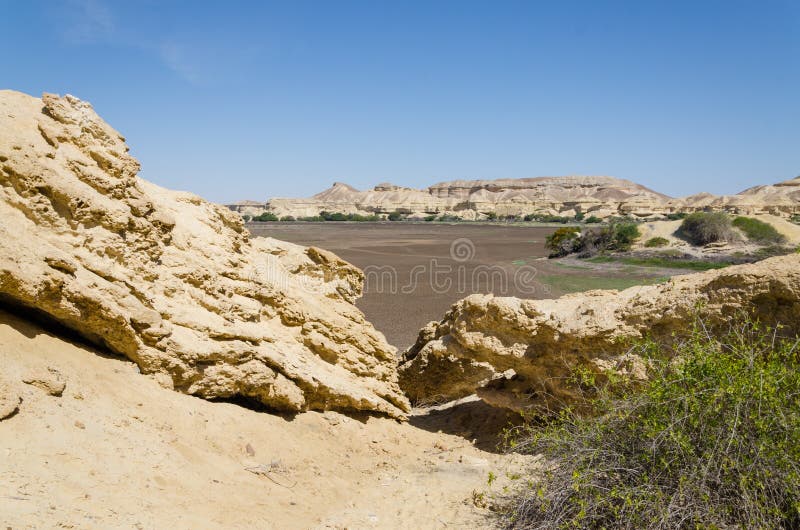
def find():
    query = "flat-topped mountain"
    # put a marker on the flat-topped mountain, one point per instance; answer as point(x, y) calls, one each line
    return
point(600, 196)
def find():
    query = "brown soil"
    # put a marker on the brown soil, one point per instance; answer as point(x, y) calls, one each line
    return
point(503, 257)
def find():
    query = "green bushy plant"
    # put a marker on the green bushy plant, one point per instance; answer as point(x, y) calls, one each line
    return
point(758, 231)
point(702, 228)
point(266, 216)
point(563, 241)
point(711, 441)
point(656, 242)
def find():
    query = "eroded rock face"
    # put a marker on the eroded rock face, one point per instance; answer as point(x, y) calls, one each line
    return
point(597, 196)
point(519, 353)
point(171, 281)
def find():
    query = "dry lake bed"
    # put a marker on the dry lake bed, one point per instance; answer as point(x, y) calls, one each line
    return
point(415, 271)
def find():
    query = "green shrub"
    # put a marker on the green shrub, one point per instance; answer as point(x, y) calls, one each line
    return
point(264, 217)
point(758, 231)
point(395, 216)
point(795, 219)
point(546, 218)
point(491, 216)
point(618, 236)
point(676, 216)
point(563, 241)
point(656, 242)
point(579, 216)
point(702, 228)
point(592, 220)
point(712, 441)
point(287, 218)
point(430, 218)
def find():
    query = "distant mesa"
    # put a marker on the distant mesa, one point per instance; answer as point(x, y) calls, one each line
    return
point(566, 196)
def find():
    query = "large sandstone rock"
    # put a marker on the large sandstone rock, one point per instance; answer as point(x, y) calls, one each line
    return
point(171, 281)
point(519, 353)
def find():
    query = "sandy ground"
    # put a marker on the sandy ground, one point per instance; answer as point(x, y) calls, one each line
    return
point(666, 229)
point(118, 451)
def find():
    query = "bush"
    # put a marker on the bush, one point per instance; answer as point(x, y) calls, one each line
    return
point(288, 218)
point(676, 216)
point(491, 216)
point(618, 236)
point(430, 218)
point(592, 219)
point(264, 217)
point(546, 218)
point(758, 231)
point(795, 219)
point(395, 216)
point(656, 242)
point(579, 216)
point(712, 441)
point(563, 241)
point(702, 228)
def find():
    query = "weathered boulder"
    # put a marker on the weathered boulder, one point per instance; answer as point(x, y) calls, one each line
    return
point(171, 281)
point(519, 353)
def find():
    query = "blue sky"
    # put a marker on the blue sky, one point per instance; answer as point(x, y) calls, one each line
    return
point(236, 99)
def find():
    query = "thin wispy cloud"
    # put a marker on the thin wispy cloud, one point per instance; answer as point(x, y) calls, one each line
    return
point(88, 21)
point(176, 57)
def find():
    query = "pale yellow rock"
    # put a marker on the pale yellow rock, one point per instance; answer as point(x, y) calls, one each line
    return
point(171, 281)
point(9, 399)
point(521, 353)
point(598, 196)
point(48, 379)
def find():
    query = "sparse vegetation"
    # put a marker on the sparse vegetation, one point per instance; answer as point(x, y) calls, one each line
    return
point(795, 219)
point(656, 242)
point(395, 216)
point(712, 441)
point(702, 228)
point(676, 216)
point(592, 220)
point(618, 236)
point(265, 217)
point(758, 231)
point(668, 262)
point(563, 241)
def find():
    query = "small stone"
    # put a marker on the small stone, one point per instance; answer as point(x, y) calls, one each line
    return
point(79, 424)
point(249, 449)
point(49, 380)
point(9, 400)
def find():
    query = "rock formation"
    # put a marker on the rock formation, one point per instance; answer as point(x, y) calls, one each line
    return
point(602, 197)
point(521, 353)
point(171, 281)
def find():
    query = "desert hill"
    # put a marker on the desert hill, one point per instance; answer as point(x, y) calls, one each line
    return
point(564, 196)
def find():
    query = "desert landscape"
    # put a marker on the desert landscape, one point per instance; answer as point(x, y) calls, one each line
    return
point(554, 284)
point(125, 303)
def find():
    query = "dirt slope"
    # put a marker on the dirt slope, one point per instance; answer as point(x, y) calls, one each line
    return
point(118, 451)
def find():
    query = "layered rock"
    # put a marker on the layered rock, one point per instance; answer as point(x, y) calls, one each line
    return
point(601, 197)
point(171, 281)
point(523, 353)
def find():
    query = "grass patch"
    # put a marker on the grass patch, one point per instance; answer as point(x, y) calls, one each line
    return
point(667, 263)
point(758, 231)
point(574, 283)
point(656, 242)
point(711, 441)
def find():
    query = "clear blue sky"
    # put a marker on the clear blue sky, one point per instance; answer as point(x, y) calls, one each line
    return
point(236, 100)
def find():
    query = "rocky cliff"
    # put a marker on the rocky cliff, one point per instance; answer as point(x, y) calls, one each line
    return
point(602, 197)
point(171, 281)
point(524, 353)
